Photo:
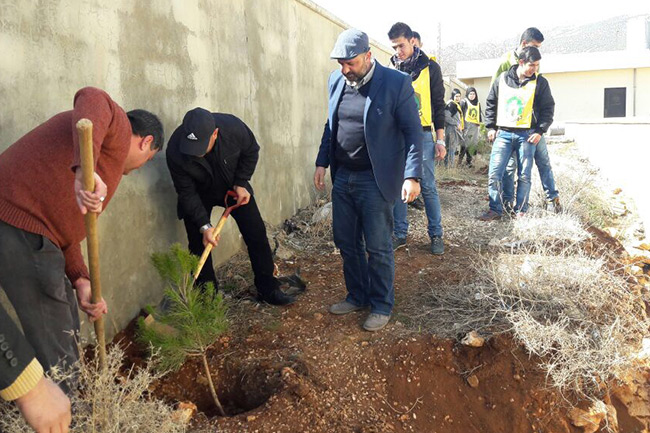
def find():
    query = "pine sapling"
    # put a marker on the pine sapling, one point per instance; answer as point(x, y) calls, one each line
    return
point(194, 319)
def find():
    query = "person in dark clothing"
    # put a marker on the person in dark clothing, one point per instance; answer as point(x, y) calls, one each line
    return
point(472, 115)
point(519, 109)
point(429, 95)
point(454, 125)
point(208, 155)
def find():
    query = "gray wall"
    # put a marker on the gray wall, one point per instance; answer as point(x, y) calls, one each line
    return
point(266, 61)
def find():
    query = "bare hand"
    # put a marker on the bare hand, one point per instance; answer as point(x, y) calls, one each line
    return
point(410, 190)
point(207, 237)
point(534, 138)
point(86, 200)
point(441, 151)
point(46, 408)
point(84, 298)
point(243, 196)
point(492, 134)
point(319, 178)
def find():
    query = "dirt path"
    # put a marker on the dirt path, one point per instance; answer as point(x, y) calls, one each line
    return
point(301, 369)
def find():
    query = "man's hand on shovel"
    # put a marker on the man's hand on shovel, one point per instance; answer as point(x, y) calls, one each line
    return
point(207, 237)
point(84, 296)
point(86, 200)
point(243, 196)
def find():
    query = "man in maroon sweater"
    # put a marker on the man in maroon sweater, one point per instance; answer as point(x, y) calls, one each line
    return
point(41, 226)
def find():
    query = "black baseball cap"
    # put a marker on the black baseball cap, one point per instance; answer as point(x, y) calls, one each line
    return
point(198, 125)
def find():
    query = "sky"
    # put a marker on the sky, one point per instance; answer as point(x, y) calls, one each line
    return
point(472, 21)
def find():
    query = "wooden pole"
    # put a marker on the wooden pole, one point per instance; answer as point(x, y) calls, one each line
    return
point(85, 131)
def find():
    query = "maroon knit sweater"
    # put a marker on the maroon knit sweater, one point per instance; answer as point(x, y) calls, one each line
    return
point(37, 173)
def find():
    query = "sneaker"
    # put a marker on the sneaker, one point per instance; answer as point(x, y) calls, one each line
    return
point(417, 203)
point(437, 246)
point(520, 215)
point(344, 307)
point(490, 216)
point(509, 209)
point(375, 322)
point(276, 297)
point(398, 243)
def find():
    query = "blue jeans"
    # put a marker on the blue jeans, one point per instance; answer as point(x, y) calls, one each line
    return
point(363, 223)
point(505, 144)
point(543, 162)
point(429, 194)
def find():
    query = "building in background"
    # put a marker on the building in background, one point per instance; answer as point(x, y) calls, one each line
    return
point(587, 86)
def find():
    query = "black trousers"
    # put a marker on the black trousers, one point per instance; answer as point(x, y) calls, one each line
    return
point(251, 227)
point(32, 274)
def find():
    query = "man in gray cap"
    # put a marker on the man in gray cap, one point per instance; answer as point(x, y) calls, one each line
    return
point(373, 143)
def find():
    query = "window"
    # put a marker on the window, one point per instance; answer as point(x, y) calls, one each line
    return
point(615, 102)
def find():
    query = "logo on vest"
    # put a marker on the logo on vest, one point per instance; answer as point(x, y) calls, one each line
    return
point(514, 109)
point(192, 137)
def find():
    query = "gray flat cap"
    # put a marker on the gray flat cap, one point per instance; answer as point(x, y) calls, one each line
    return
point(350, 44)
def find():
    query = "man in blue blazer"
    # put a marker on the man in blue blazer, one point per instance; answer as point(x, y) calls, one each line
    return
point(373, 144)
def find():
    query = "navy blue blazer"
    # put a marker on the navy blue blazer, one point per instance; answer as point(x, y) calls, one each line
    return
point(392, 129)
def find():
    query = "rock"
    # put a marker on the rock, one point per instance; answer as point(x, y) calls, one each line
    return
point(589, 420)
point(473, 339)
point(318, 316)
point(636, 270)
point(284, 253)
point(473, 381)
point(250, 418)
point(184, 413)
point(322, 214)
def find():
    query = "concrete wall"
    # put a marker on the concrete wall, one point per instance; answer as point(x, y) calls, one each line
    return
point(266, 61)
point(620, 149)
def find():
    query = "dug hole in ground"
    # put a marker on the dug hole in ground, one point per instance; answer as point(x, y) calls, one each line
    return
point(523, 325)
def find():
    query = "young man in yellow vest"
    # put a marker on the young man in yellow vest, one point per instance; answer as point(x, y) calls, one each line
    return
point(471, 108)
point(429, 95)
point(531, 37)
point(519, 110)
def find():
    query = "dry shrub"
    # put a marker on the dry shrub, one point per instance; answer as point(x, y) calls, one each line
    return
point(452, 311)
point(544, 227)
point(578, 316)
point(107, 401)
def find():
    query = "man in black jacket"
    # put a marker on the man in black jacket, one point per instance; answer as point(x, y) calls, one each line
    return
point(519, 109)
point(429, 95)
point(208, 155)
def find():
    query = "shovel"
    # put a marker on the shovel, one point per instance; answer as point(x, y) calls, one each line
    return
point(217, 230)
point(85, 131)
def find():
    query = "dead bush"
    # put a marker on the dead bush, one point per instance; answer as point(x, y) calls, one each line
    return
point(106, 401)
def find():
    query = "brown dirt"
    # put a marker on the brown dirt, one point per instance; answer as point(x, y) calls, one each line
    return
point(301, 369)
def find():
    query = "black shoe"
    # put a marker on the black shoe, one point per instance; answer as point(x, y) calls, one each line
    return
point(276, 297)
point(417, 203)
point(437, 246)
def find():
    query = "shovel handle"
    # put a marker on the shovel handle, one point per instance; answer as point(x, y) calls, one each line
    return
point(224, 216)
point(85, 131)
